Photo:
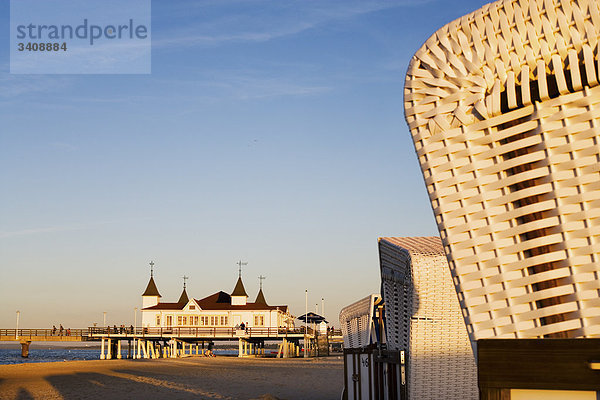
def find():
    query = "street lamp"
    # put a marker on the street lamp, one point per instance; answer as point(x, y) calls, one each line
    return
point(305, 323)
point(104, 324)
point(135, 319)
point(17, 331)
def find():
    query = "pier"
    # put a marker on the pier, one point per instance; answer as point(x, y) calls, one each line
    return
point(177, 341)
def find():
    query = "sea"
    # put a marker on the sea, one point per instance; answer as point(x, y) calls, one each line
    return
point(53, 354)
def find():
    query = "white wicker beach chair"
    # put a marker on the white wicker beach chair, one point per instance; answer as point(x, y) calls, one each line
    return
point(356, 321)
point(502, 105)
point(423, 318)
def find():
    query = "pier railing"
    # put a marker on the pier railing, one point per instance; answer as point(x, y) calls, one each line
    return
point(189, 332)
point(43, 333)
point(128, 332)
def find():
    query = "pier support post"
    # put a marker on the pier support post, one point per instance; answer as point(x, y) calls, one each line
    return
point(119, 349)
point(129, 349)
point(240, 348)
point(109, 349)
point(139, 349)
point(286, 348)
point(102, 350)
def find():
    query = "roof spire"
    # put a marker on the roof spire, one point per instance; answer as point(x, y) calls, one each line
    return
point(260, 298)
point(151, 289)
point(185, 278)
point(240, 263)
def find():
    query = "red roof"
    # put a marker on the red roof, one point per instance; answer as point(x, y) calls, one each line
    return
point(217, 301)
point(222, 301)
point(166, 306)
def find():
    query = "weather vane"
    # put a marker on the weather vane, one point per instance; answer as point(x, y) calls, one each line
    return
point(240, 263)
point(261, 278)
point(185, 278)
point(151, 269)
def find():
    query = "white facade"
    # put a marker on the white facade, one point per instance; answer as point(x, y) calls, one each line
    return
point(192, 316)
point(219, 310)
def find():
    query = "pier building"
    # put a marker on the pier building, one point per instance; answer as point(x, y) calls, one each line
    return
point(219, 310)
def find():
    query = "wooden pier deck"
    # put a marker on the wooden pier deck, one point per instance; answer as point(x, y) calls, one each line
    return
point(188, 333)
point(173, 341)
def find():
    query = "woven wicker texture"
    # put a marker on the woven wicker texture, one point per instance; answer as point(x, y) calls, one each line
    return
point(503, 109)
point(356, 321)
point(423, 317)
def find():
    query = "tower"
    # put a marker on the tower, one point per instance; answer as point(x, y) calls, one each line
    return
point(183, 299)
point(151, 296)
point(260, 298)
point(239, 297)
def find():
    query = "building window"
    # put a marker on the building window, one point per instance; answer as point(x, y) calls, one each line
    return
point(212, 320)
point(179, 320)
point(204, 320)
point(184, 321)
point(195, 320)
point(259, 320)
point(158, 320)
point(192, 307)
point(191, 320)
point(224, 320)
point(169, 320)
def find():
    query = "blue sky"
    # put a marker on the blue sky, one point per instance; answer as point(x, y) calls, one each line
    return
point(268, 131)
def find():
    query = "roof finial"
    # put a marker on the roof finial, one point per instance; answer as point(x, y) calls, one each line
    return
point(261, 278)
point(151, 269)
point(185, 278)
point(240, 263)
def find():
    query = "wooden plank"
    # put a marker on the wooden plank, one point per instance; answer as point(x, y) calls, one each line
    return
point(557, 364)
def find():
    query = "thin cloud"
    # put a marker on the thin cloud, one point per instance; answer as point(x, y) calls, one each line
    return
point(281, 21)
point(62, 228)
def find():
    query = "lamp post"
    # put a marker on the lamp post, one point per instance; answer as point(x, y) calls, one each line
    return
point(135, 320)
point(306, 323)
point(17, 331)
point(104, 324)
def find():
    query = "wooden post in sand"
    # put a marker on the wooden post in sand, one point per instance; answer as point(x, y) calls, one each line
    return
point(25, 348)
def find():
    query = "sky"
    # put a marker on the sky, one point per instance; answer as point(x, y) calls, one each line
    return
point(269, 131)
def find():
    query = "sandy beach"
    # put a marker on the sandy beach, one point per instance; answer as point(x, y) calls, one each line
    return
point(185, 378)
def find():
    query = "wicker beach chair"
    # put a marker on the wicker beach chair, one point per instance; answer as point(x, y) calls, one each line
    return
point(502, 106)
point(356, 321)
point(423, 317)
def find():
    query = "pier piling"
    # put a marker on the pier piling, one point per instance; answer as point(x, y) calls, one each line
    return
point(25, 348)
